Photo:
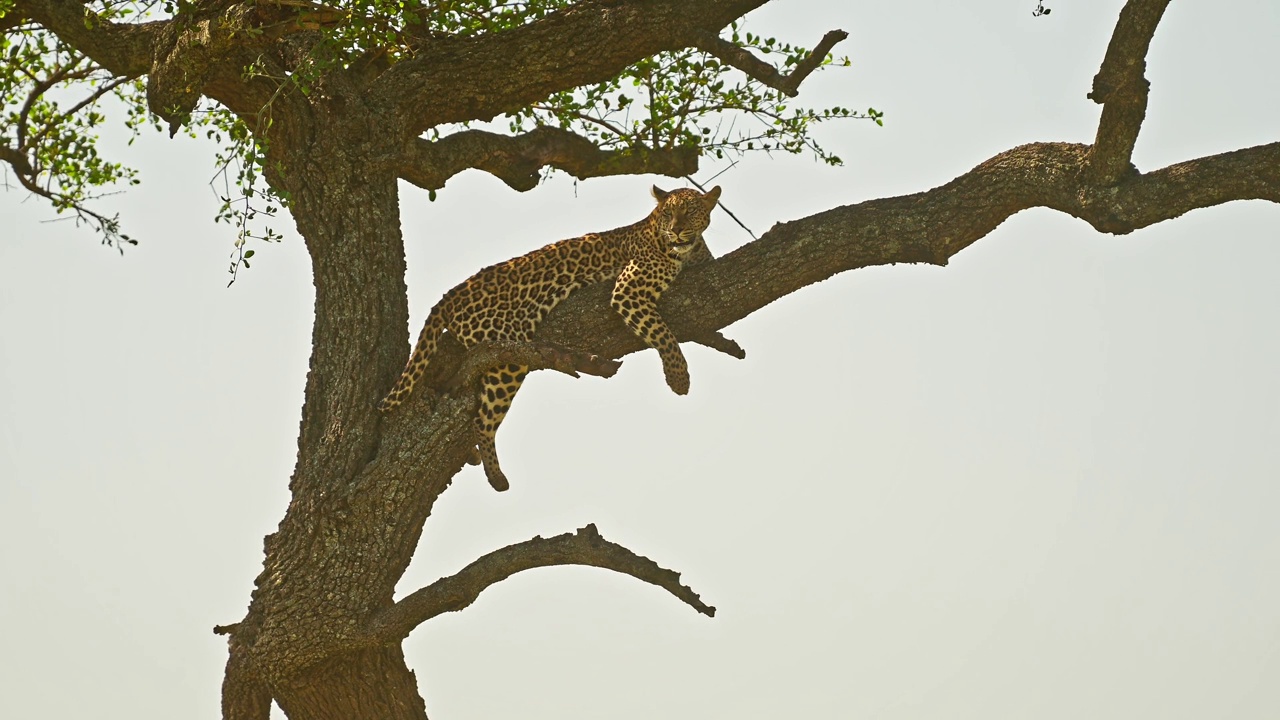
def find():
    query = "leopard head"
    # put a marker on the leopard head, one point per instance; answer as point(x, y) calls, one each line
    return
point(681, 216)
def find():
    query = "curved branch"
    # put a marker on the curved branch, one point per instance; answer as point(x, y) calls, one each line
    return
point(928, 227)
point(517, 160)
point(584, 547)
point(789, 84)
point(28, 178)
point(17, 160)
point(1121, 89)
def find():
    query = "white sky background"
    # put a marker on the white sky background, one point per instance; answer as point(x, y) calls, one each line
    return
point(1038, 483)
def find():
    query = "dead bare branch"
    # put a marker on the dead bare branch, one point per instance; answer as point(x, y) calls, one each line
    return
point(754, 67)
point(584, 547)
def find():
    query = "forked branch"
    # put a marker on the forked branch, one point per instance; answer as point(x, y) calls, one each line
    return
point(742, 59)
point(584, 547)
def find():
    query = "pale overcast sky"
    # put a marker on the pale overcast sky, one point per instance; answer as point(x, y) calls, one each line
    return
point(1039, 483)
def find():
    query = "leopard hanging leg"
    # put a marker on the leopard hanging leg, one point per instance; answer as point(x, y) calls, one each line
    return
point(635, 298)
point(497, 390)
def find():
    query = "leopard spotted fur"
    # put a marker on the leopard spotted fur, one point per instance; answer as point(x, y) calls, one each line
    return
point(505, 302)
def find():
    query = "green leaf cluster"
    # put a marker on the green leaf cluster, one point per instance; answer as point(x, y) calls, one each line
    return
point(689, 98)
point(53, 101)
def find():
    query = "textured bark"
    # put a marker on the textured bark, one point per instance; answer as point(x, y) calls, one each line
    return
point(322, 631)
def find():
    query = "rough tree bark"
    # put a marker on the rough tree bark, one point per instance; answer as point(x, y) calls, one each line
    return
point(322, 633)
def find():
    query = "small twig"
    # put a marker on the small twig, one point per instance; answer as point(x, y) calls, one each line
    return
point(721, 203)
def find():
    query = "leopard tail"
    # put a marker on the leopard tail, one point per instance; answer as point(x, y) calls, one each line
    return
point(417, 364)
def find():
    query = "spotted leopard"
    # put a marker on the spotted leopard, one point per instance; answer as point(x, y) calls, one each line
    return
point(505, 302)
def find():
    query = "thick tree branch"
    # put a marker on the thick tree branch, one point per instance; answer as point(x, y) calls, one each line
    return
point(486, 356)
point(208, 53)
point(928, 227)
point(29, 179)
point(123, 49)
point(1121, 88)
point(517, 160)
point(584, 547)
point(11, 20)
point(742, 59)
point(460, 79)
point(204, 52)
point(18, 161)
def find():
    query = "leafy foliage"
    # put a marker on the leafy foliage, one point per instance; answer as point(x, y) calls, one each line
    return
point(689, 98)
point(680, 99)
point(53, 102)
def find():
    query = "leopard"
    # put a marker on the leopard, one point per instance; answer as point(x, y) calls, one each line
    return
point(506, 302)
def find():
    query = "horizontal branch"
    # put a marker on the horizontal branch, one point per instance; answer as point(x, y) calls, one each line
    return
point(517, 160)
point(536, 356)
point(928, 227)
point(123, 49)
point(584, 547)
point(486, 356)
point(742, 59)
point(457, 79)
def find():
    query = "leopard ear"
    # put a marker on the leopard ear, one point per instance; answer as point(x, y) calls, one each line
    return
point(713, 194)
point(658, 193)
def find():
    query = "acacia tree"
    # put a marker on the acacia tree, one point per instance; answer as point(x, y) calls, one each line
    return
point(333, 105)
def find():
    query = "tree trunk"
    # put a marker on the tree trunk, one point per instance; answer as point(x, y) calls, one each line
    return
point(372, 683)
point(353, 523)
